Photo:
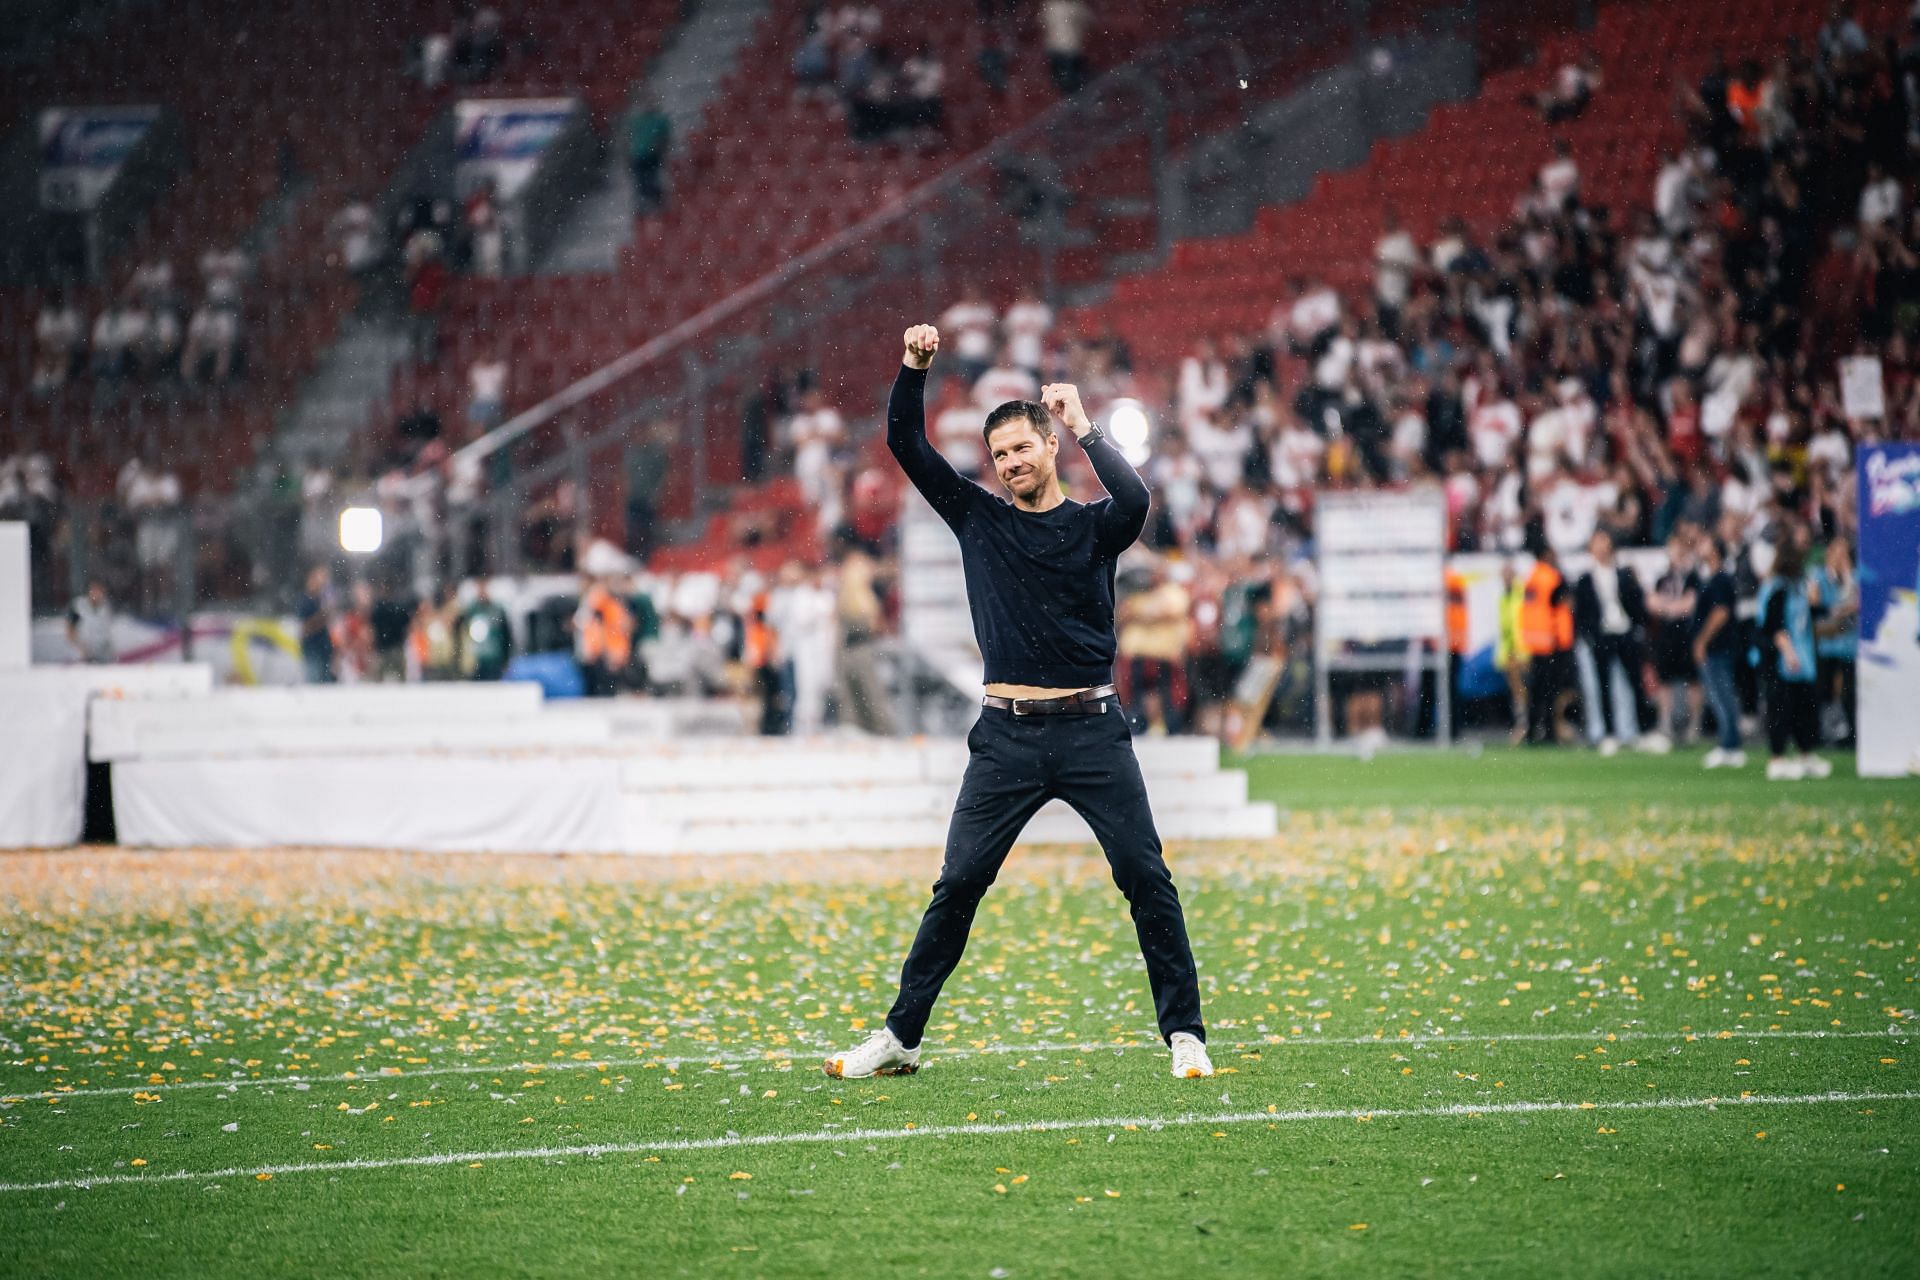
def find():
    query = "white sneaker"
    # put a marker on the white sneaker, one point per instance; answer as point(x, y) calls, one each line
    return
point(1815, 767)
point(1783, 769)
point(1655, 744)
point(881, 1054)
point(1717, 758)
point(1736, 759)
point(1609, 746)
point(1190, 1061)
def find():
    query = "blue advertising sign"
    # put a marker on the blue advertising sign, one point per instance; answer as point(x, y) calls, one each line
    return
point(1889, 576)
point(83, 148)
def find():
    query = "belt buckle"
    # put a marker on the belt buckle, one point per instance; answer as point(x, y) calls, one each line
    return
point(1016, 705)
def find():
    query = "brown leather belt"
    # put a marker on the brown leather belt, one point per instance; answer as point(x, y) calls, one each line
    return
point(1087, 702)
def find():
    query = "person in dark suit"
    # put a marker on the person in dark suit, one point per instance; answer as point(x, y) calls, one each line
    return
point(1610, 618)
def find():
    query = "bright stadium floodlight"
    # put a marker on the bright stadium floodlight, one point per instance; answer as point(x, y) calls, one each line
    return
point(360, 531)
point(1130, 428)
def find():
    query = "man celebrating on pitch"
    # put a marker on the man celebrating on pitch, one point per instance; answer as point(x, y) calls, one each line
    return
point(1040, 585)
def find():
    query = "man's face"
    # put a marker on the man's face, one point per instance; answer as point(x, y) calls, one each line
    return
point(1023, 458)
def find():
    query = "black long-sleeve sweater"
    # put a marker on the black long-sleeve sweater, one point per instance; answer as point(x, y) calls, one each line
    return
point(1039, 583)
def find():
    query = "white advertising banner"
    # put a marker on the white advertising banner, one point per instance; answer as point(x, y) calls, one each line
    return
point(502, 140)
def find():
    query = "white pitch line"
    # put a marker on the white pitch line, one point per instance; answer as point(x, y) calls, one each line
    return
point(1151, 1123)
point(939, 1053)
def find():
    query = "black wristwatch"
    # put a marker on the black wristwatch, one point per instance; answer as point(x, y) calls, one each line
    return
point(1094, 434)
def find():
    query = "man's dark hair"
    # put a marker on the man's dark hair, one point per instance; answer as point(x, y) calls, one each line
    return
point(1014, 411)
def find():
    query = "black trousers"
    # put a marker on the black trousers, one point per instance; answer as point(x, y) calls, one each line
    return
point(1548, 676)
point(1018, 764)
point(1793, 714)
point(1626, 651)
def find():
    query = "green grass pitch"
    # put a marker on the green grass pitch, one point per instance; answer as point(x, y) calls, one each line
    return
point(1513, 1014)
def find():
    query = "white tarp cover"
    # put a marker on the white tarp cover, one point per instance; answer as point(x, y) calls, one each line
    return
point(43, 742)
point(436, 804)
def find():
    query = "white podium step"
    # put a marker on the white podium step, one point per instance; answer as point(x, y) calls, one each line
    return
point(1054, 824)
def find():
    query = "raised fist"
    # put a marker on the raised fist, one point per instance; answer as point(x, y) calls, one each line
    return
point(922, 341)
point(1063, 402)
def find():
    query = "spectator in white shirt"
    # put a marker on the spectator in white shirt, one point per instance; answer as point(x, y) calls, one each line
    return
point(1677, 193)
point(1395, 259)
point(1028, 322)
point(213, 340)
point(1313, 312)
point(116, 333)
point(1221, 444)
point(353, 231)
point(152, 282)
point(971, 321)
point(815, 432)
point(59, 336)
point(156, 351)
point(1880, 199)
point(1299, 456)
point(923, 83)
point(1242, 525)
point(1203, 384)
point(487, 391)
point(1334, 367)
point(1494, 428)
point(1003, 382)
point(1178, 476)
point(1063, 26)
point(1831, 448)
point(956, 434)
point(222, 272)
point(1451, 247)
point(1573, 88)
point(1560, 177)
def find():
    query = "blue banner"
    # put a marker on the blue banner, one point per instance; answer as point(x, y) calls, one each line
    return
point(1889, 574)
point(83, 148)
point(501, 141)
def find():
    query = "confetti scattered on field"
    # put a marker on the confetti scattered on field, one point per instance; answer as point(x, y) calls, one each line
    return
point(653, 1027)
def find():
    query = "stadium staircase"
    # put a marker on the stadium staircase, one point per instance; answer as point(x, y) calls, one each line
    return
point(685, 80)
point(479, 767)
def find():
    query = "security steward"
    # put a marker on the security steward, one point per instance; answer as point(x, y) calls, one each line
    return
point(1546, 633)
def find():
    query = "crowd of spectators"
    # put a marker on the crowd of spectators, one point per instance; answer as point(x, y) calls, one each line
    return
point(1663, 376)
point(1579, 379)
point(155, 336)
point(845, 55)
point(889, 89)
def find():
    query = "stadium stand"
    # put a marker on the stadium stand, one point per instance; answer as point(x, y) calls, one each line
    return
point(266, 136)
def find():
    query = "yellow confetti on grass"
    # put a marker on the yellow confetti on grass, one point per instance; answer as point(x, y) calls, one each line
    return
point(739, 1177)
point(1358, 1226)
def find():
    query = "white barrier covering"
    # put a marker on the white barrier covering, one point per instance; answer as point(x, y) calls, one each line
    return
point(436, 804)
point(337, 719)
point(43, 741)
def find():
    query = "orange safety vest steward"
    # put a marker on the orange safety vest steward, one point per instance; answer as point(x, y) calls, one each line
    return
point(1546, 625)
